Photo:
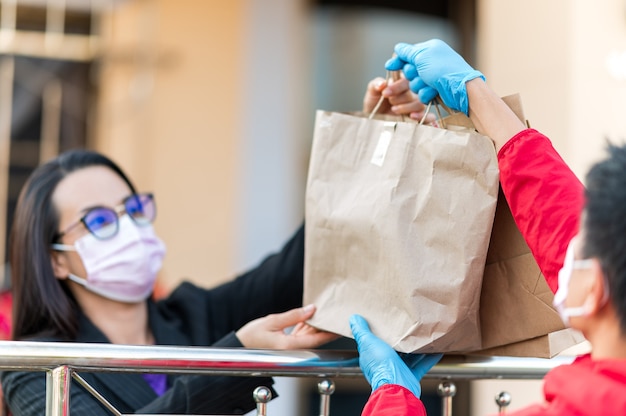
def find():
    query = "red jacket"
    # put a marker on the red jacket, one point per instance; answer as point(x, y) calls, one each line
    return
point(546, 200)
point(583, 388)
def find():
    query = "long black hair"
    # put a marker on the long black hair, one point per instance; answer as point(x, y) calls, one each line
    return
point(42, 306)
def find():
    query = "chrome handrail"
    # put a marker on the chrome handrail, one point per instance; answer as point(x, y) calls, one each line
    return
point(63, 360)
point(27, 355)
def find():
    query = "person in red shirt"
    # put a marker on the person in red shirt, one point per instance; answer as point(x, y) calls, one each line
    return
point(585, 264)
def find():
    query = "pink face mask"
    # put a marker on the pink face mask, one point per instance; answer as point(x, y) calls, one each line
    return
point(122, 268)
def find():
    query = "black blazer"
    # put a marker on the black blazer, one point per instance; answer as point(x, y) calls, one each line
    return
point(190, 316)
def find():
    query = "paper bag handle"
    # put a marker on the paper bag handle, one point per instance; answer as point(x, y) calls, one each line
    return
point(395, 75)
point(439, 103)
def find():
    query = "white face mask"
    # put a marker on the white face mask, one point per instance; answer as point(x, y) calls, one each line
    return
point(122, 268)
point(565, 275)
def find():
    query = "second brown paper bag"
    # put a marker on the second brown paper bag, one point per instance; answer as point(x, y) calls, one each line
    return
point(398, 219)
point(516, 313)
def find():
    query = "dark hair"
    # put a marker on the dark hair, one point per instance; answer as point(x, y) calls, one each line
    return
point(42, 306)
point(605, 223)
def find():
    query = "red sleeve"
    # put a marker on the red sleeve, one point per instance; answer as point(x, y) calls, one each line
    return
point(545, 198)
point(393, 400)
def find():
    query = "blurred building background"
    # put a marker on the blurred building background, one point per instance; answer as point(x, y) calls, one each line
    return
point(210, 104)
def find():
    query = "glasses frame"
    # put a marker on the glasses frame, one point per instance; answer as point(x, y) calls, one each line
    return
point(119, 210)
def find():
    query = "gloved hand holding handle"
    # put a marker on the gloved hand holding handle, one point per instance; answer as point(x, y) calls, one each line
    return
point(434, 68)
point(382, 365)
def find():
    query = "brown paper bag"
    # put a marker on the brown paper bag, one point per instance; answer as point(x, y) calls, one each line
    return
point(398, 220)
point(516, 313)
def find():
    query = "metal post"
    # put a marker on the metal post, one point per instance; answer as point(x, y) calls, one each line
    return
point(446, 391)
point(503, 400)
point(261, 395)
point(7, 74)
point(58, 391)
point(325, 389)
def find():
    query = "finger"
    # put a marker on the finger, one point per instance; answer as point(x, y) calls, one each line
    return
point(430, 118)
point(408, 99)
point(312, 329)
point(291, 317)
point(417, 84)
point(373, 93)
point(311, 340)
point(425, 363)
point(396, 88)
point(297, 329)
point(412, 360)
point(304, 329)
point(410, 71)
point(427, 94)
point(414, 106)
point(359, 327)
point(394, 64)
point(430, 360)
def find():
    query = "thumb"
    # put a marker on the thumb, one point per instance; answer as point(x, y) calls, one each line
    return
point(360, 328)
point(430, 360)
point(424, 364)
point(406, 52)
point(293, 316)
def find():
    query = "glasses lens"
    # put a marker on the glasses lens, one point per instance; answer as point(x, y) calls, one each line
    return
point(101, 222)
point(141, 208)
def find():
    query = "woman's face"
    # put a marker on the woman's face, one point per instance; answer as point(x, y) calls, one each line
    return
point(73, 196)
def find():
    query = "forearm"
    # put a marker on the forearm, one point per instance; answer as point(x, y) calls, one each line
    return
point(209, 395)
point(273, 286)
point(490, 115)
point(544, 195)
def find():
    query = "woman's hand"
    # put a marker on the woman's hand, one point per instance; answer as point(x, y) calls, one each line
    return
point(269, 331)
point(399, 99)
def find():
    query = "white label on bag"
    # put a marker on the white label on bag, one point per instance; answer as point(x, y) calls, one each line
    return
point(378, 158)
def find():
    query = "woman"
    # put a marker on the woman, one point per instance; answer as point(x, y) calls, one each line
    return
point(84, 259)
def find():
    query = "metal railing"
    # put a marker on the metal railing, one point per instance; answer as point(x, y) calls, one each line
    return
point(63, 361)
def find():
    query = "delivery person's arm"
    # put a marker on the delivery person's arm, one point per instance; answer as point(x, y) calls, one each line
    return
point(543, 193)
point(395, 382)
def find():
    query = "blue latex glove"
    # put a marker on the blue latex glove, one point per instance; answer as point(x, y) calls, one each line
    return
point(433, 67)
point(382, 365)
